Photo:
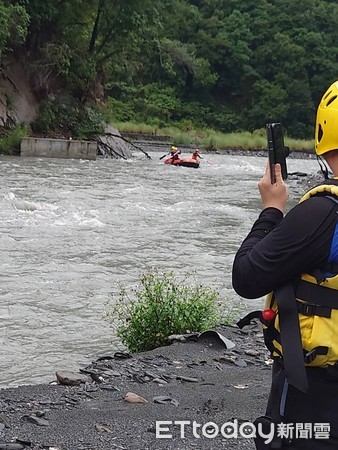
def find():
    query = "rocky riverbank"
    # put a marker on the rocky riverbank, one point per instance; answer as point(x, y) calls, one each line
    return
point(132, 402)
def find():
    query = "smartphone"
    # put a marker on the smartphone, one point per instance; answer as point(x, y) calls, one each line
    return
point(277, 151)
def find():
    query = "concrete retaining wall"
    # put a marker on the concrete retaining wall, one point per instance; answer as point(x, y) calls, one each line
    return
point(58, 148)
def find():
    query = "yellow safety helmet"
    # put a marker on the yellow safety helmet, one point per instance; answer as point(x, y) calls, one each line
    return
point(326, 136)
point(173, 148)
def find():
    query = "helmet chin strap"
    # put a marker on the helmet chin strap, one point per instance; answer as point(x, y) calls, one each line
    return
point(323, 167)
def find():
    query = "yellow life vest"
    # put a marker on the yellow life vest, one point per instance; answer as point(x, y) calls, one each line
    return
point(317, 305)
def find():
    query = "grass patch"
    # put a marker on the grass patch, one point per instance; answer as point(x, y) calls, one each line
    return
point(160, 306)
point(138, 128)
point(300, 144)
point(212, 140)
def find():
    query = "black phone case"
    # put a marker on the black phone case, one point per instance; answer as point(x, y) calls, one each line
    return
point(277, 152)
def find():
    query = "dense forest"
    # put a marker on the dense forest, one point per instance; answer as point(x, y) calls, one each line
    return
point(229, 65)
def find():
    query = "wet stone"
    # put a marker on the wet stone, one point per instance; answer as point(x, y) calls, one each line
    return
point(252, 352)
point(159, 381)
point(71, 378)
point(102, 428)
point(11, 446)
point(240, 363)
point(226, 359)
point(189, 379)
point(164, 399)
point(37, 420)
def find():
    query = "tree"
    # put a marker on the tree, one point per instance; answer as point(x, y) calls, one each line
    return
point(14, 22)
point(227, 64)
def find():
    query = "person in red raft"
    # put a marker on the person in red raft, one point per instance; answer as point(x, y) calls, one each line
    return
point(175, 154)
point(293, 260)
point(196, 154)
point(176, 160)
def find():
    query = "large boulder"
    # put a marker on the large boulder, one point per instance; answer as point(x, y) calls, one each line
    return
point(18, 104)
point(113, 145)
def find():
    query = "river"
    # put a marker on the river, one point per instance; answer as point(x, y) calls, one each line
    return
point(71, 230)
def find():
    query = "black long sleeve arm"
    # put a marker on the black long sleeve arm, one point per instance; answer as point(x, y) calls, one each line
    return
point(278, 250)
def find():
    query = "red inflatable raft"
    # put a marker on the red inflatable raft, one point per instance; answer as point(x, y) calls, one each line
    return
point(193, 161)
point(185, 162)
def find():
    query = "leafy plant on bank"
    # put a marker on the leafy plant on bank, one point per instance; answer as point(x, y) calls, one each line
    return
point(68, 117)
point(160, 306)
point(10, 140)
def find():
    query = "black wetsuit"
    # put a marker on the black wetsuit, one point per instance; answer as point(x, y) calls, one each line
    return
point(276, 251)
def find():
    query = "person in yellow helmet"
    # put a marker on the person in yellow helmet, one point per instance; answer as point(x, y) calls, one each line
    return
point(292, 259)
point(174, 153)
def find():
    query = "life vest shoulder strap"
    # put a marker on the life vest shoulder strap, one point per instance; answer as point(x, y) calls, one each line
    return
point(293, 354)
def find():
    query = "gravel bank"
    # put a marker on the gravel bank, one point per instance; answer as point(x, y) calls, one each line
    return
point(197, 380)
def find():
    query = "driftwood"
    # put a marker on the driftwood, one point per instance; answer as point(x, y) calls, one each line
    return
point(112, 151)
point(129, 142)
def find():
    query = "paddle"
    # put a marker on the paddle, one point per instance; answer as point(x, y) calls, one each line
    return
point(165, 155)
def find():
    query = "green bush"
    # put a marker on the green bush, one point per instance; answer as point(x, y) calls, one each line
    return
point(67, 116)
point(10, 140)
point(120, 110)
point(162, 305)
point(215, 116)
point(151, 104)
